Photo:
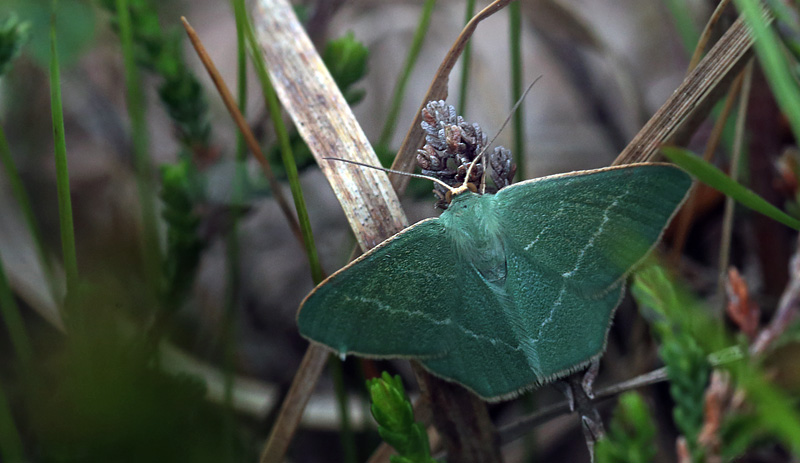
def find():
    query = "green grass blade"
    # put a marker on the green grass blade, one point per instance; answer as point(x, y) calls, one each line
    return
point(151, 251)
point(515, 39)
point(62, 174)
point(23, 200)
point(288, 158)
point(11, 450)
point(348, 439)
point(233, 248)
point(240, 14)
point(715, 178)
point(466, 61)
point(776, 410)
point(400, 89)
point(13, 321)
point(773, 61)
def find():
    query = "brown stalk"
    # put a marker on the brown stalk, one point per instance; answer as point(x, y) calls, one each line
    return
point(291, 411)
point(705, 36)
point(314, 360)
point(249, 138)
point(462, 419)
point(787, 312)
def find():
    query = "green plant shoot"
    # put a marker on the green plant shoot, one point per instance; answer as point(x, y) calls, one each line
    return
point(395, 417)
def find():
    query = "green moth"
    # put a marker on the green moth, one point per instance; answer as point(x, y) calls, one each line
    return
point(505, 292)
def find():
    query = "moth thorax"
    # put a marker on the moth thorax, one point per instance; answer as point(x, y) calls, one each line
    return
point(475, 231)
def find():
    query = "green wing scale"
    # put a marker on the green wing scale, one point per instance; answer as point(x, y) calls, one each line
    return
point(502, 292)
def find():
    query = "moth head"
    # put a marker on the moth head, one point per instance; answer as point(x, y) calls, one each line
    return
point(453, 192)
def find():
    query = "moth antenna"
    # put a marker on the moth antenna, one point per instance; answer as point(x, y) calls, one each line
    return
point(503, 126)
point(392, 171)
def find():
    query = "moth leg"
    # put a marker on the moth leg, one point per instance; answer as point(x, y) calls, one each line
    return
point(592, 432)
point(591, 422)
point(589, 376)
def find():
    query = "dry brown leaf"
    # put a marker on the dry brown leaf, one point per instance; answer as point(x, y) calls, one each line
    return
point(743, 311)
point(682, 448)
point(716, 404)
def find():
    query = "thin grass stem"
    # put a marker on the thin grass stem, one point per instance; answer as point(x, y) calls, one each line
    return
point(317, 274)
point(13, 321)
point(232, 242)
point(11, 449)
point(730, 203)
point(24, 203)
point(773, 61)
point(151, 249)
point(249, 138)
point(515, 47)
point(62, 173)
point(466, 62)
point(400, 88)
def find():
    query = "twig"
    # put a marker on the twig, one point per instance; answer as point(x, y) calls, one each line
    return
point(294, 404)
point(788, 308)
point(461, 418)
point(249, 138)
point(518, 428)
point(706, 35)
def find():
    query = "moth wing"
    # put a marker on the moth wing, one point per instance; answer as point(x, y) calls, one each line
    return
point(590, 228)
point(569, 242)
point(393, 301)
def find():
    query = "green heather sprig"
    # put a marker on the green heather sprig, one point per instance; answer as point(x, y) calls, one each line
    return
point(13, 34)
point(184, 245)
point(631, 433)
point(679, 326)
point(395, 417)
point(688, 370)
point(161, 53)
point(346, 59)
